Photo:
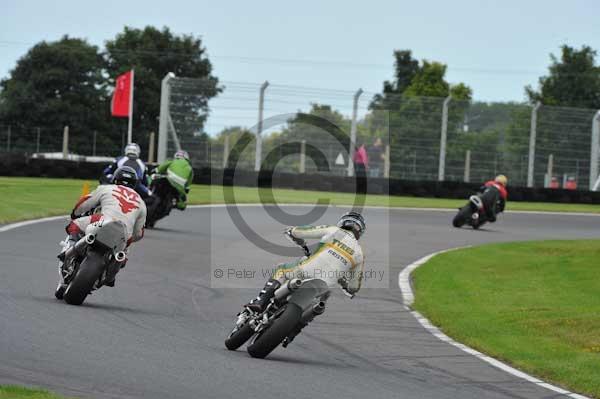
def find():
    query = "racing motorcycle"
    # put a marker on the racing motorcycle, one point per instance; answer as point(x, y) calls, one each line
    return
point(294, 305)
point(473, 213)
point(165, 193)
point(93, 260)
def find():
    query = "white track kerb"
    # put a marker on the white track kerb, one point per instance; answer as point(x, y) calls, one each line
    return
point(405, 288)
point(409, 298)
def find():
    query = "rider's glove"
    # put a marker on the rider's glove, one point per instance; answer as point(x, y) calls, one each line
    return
point(298, 241)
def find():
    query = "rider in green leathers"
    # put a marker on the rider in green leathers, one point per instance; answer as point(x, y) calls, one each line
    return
point(180, 174)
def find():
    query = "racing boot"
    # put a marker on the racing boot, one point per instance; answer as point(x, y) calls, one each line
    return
point(258, 304)
point(66, 245)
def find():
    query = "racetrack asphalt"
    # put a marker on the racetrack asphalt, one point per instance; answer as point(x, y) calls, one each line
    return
point(159, 333)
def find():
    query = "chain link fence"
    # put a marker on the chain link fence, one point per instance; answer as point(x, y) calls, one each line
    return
point(307, 130)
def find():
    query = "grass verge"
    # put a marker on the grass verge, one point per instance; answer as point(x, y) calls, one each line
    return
point(15, 392)
point(534, 305)
point(30, 198)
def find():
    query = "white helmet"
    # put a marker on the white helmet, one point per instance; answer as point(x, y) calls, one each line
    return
point(182, 155)
point(132, 150)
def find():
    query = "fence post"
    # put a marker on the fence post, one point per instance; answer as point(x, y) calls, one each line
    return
point(65, 147)
point(467, 177)
point(443, 140)
point(225, 150)
point(549, 171)
point(261, 108)
point(151, 147)
point(8, 139)
point(94, 144)
point(37, 141)
point(163, 122)
point(595, 144)
point(386, 162)
point(303, 156)
point(353, 132)
point(532, 138)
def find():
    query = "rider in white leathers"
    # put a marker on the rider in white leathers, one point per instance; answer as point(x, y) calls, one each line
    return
point(338, 258)
point(117, 201)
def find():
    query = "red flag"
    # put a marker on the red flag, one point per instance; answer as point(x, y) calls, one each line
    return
point(122, 95)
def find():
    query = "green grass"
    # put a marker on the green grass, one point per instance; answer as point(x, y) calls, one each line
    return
point(30, 198)
point(14, 392)
point(535, 305)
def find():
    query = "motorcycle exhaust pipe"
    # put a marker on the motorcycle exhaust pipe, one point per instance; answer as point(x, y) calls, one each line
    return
point(120, 256)
point(286, 289)
point(90, 239)
point(319, 308)
point(311, 313)
point(77, 249)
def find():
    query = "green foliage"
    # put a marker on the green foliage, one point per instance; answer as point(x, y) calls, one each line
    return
point(56, 84)
point(532, 304)
point(573, 80)
point(429, 81)
point(410, 109)
point(66, 83)
point(405, 67)
point(16, 392)
point(461, 91)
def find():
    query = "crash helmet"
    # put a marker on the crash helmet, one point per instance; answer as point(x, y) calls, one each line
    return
point(182, 155)
point(132, 150)
point(125, 176)
point(354, 222)
point(501, 179)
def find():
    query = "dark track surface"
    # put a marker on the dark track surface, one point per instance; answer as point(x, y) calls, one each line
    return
point(159, 333)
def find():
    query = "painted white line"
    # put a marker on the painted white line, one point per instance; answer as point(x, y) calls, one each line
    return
point(28, 222)
point(409, 297)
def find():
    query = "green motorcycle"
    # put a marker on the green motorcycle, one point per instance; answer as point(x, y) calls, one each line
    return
point(169, 184)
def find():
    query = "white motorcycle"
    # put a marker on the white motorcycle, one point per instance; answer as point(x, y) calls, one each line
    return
point(92, 261)
point(295, 304)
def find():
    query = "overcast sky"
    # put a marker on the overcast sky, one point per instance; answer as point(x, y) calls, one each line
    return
point(495, 47)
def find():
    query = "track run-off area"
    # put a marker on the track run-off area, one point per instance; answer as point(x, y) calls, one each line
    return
point(159, 333)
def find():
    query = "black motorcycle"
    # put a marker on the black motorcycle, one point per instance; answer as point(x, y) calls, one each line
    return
point(472, 214)
point(294, 305)
point(163, 199)
point(93, 261)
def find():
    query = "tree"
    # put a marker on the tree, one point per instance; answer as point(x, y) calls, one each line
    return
point(573, 81)
point(56, 84)
point(153, 53)
point(415, 119)
point(406, 67)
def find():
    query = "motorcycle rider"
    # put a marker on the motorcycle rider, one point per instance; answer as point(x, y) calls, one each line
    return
point(180, 171)
point(494, 196)
point(132, 159)
point(115, 201)
point(338, 258)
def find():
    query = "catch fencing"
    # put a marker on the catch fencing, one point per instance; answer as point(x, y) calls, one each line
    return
point(308, 130)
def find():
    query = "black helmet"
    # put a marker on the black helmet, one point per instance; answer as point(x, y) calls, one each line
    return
point(125, 176)
point(354, 222)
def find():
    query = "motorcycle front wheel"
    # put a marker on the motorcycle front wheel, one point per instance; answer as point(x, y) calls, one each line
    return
point(238, 337)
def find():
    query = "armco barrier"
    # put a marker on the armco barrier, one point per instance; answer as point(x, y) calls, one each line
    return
point(20, 165)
